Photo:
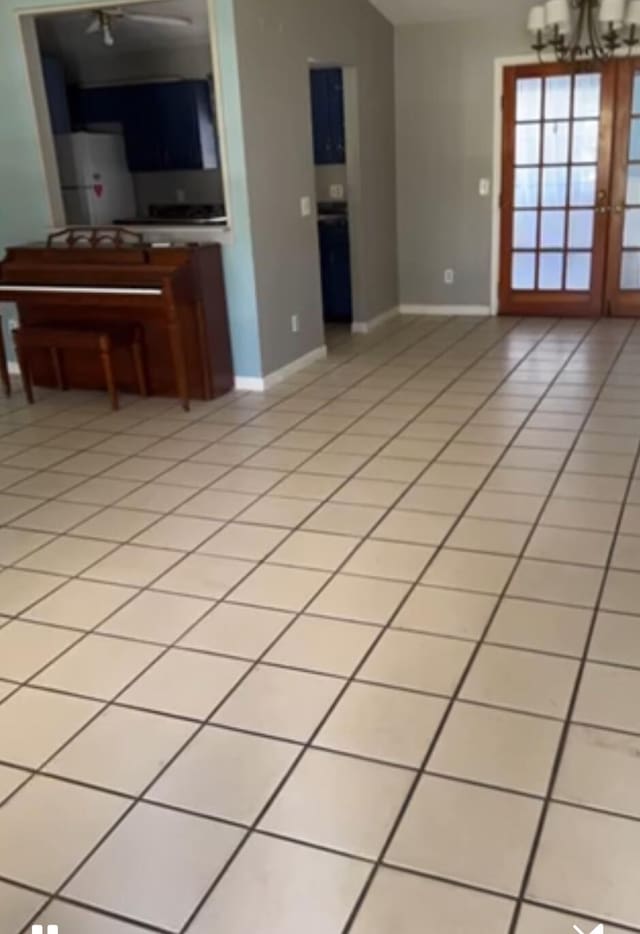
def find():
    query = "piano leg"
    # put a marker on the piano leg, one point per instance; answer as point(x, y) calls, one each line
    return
point(4, 371)
point(107, 366)
point(179, 363)
point(138, 363)
point(25, 372)
point(57, 368)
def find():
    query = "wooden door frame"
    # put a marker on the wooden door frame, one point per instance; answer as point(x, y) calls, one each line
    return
point(621, 303)
point(565, 303)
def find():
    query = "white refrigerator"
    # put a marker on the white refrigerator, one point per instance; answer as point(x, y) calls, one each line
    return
point(97, 186)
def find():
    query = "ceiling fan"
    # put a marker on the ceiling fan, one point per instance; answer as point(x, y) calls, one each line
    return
point(104, 20)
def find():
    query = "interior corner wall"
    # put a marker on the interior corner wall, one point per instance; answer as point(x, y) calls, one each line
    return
point(277, 40)
point(25, 213)
point(445, 141)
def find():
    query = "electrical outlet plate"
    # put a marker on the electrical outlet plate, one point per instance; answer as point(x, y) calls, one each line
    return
point(484, 187)
point(295, 324)
point(449, 276)
point(336, 192)
point(305, 206)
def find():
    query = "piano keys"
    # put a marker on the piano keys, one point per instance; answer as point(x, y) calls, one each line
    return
point(176, 294)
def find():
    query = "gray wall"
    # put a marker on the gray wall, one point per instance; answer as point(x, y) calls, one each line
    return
point(328, 175)
point(444, 112)
point(275, 43)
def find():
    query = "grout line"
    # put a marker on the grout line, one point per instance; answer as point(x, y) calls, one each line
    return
point(481, 641)
point(385, 441)
point(570, 714)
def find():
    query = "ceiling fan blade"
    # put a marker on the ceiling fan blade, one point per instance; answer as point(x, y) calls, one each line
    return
point(156, 19)
point(94, 26)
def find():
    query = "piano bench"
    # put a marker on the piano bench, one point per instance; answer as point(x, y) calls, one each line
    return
point(102, 341)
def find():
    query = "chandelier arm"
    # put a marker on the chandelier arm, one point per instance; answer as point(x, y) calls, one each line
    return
point(586, 38)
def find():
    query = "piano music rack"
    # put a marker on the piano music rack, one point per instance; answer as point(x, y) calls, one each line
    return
point(95, 237)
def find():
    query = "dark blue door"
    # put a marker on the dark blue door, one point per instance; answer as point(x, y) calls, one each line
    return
point(335, 94)
point(335, 267)
point(327, 111)
point(320, 116)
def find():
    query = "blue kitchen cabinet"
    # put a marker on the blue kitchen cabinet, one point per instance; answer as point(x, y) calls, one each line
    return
point(327, 107)
point(56, 88)
point(168, 126)
point(335, 268)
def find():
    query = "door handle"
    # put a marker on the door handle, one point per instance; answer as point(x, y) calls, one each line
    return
point(619, 209)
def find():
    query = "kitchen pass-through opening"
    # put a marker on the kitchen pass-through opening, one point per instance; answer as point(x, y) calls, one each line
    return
point(130, 117)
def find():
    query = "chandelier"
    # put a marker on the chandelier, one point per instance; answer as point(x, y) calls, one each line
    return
point(580, 30)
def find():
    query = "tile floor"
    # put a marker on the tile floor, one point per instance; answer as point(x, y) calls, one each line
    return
point(359, 654)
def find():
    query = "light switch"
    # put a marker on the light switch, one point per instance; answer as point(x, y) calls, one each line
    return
point(484, 187)
point(305, 206)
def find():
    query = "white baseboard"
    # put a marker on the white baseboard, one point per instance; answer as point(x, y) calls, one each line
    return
point(445, 310)
point(365, 327)
point(259, 384)
point(249, 383)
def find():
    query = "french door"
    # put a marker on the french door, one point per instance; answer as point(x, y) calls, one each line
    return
point(570, 204)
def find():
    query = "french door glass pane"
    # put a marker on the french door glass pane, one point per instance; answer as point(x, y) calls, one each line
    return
point(554, 187)
point(525, 229)
point(633, 184)
point(630, 274)
point(578, 271)
point(583, 185)
point(527, 144)
point(556, 142)
point(634, 140)
point(552, 224)
point(557, 100)
point(523, 271)
point(586, 102)
point(631, 228)
point(581, 230)
point(550, 271)
point(529, 99)
point(585, 141)
point(526, 194)
point(636, 94)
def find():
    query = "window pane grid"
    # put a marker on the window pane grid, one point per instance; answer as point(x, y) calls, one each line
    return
point(555, 194)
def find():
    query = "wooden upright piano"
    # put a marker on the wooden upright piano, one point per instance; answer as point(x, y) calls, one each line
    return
point(176, 294)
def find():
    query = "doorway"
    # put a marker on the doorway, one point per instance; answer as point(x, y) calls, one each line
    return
point(570, 206)
point(330, 145)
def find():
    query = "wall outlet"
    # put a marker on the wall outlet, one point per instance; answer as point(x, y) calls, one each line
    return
point(181, 196)
point(295, 324)
point(305, 206)
point(336, 192)
point(484, 188)
point(449, 276)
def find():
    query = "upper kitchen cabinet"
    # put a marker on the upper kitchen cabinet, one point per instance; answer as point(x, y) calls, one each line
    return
point(168, 126)
point(327, 101)
point(56, 88)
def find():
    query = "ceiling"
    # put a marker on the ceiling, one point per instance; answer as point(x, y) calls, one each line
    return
point(431, 11)
point(66, 32)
